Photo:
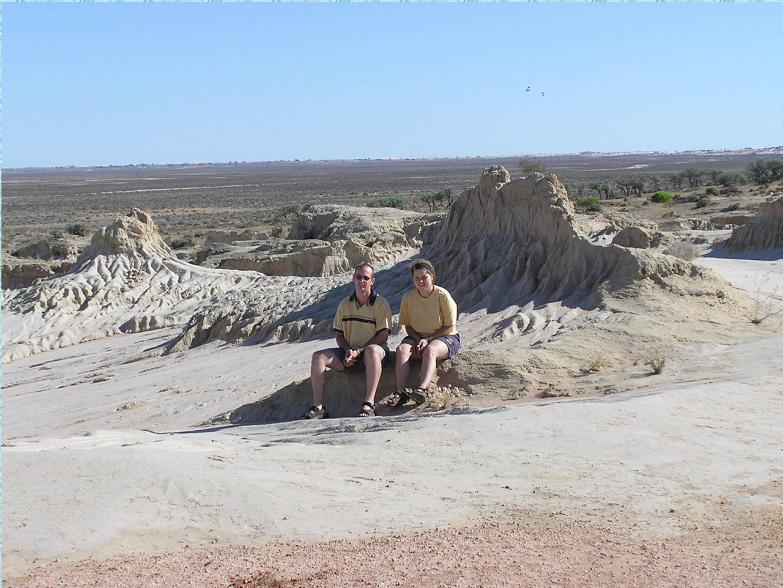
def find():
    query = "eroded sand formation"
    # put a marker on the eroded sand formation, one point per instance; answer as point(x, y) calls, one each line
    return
point(507, 248)
point(125, 281)
point(763, 231)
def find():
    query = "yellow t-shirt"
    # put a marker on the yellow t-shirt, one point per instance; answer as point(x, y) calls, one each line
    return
point(427, 315)
point(359, 324)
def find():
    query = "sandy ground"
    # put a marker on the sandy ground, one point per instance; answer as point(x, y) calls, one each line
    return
point(108, 483)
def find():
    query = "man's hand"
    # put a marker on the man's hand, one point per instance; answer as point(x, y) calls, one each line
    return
point(351, 356)
point(422, 344)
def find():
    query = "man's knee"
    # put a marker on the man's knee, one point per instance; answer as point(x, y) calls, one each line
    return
point(374, 353)
point(321, 358)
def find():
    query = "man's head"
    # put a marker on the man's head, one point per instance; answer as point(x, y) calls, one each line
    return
point(363, 278)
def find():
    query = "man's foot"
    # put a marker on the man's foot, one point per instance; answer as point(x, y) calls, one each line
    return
point(316, 412)
point(368, 410)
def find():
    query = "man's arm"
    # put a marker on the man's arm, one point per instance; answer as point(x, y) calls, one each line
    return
point(379, 339)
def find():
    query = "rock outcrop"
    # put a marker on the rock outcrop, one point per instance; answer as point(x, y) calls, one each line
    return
point(127, 280)
point(763, 231)
point(330, 239)
point(506, 247)
point(638, 238)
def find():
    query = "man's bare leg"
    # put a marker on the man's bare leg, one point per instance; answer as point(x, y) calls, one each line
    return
point(321, 361)
point(373, 356)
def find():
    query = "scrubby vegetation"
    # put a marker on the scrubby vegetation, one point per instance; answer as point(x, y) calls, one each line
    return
point(444, 198)
point(77, 229)
point(391, 202)
point(764, 171)
point(661, 197)
point(589, 204)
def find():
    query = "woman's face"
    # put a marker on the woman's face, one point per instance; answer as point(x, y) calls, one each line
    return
point(422, 279)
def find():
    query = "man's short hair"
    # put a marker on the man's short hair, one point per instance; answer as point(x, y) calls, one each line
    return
point(364, 264)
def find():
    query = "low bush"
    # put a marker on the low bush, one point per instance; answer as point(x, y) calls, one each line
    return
point(703, 201)
point(661, 197)
point(589, 203)
point(391, 202)
point(77, 229)
point(711, 191)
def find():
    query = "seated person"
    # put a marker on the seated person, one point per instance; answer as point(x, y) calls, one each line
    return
point(362, 326)
point(429, 314)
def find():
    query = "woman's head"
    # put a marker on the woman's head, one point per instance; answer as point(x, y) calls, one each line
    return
point(423, 273)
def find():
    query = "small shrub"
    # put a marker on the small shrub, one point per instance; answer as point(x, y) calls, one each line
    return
point(766, 302)
point(596, 365)
point(387, 203)
point(77, 229)
point(277, 232)
point(656, 364)
point(703, 201)
point(731, 207)
point(589, 203)
point(711, 191)
point(182, 243)
point(661, 197)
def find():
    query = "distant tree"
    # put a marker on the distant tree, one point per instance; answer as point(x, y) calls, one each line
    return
point(289, 210)
point(625, 186)
point(429, 200)
point(448, 197)
point(528, 166)
point(77, 229)
point(655, 182)
point(391, 202)
point(764, 171)
point(676, 181)
point(730, 179)
point(713, 175)
point(637, 186)
point(694, 177)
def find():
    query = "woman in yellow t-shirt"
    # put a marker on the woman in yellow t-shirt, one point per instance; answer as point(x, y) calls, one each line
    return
point(429, 314)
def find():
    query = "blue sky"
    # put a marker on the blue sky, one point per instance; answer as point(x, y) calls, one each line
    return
point(98, 84)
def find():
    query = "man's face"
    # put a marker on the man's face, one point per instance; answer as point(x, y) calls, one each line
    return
point(363, 280)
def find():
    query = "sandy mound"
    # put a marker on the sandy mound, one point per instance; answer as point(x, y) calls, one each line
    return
point(328, 240)
point(127, 280)
point(763, 231)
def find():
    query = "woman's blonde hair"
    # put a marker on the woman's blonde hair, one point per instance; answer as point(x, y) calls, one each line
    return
point(424, 264)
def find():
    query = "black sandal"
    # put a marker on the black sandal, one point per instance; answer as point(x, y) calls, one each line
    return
point(368, 410)
point(418, 396)
point(402, 400)
point(316, 413)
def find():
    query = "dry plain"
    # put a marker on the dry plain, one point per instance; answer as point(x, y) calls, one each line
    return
point(550, 454)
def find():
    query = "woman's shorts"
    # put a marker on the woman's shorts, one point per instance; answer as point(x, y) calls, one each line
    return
point(452, 343)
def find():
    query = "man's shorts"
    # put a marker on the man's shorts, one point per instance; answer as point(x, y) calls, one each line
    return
point(452, 343)
point(340, 353)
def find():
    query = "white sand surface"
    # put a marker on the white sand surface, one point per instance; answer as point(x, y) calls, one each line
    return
point(103, 458)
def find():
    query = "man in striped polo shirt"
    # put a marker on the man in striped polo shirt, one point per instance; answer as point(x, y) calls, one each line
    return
point(361, 328)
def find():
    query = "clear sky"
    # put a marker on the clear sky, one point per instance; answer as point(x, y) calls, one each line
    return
point(109, 83)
